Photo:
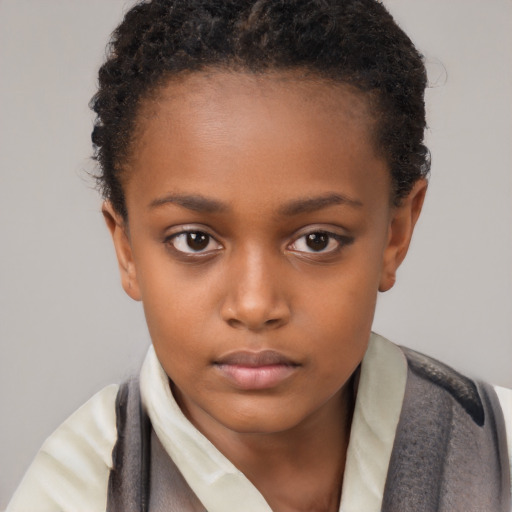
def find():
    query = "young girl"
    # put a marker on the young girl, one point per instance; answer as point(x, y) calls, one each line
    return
point(263, 168)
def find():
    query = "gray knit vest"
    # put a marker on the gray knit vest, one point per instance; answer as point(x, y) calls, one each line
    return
point(449, 454)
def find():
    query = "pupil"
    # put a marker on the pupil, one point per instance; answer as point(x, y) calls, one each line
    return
point(317, 241)
point(197, 241)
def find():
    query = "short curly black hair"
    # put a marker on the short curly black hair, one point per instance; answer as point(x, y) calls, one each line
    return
point(353, 42)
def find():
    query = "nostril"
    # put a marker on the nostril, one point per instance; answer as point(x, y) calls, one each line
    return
point(267, 324)
point(233, 322)
point(238, 324)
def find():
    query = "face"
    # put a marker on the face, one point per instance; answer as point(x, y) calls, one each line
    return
point(259, 233)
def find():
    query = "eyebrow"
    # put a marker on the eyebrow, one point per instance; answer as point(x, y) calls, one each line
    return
point(203, 204)
point(311, 204)
point(195, 203)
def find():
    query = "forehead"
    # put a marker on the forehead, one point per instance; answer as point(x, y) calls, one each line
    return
point(217, 99)
point(229, 129)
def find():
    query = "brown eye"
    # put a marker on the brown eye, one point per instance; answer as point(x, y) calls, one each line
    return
point(317, 241)
point(320, 242)
point(198, 241)
point(191, 242)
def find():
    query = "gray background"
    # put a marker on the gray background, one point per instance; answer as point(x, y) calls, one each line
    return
point(66, 327)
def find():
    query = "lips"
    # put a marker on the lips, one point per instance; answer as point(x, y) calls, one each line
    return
point(256, 370)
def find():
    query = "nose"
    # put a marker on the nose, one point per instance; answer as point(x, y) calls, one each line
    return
point(255, 298)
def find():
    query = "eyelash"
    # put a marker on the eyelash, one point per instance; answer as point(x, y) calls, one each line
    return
point(188, 236)
point(192, 235)
point(340, 241)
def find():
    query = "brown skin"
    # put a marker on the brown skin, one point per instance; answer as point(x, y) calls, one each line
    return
point(262, 150)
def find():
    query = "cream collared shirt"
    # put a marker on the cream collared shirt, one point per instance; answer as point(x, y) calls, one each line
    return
point(71, 471)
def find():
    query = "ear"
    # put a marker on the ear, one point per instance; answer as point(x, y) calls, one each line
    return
point(120, 236)
point(401, 226)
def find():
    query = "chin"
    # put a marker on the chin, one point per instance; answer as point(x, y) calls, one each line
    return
point(261, 419)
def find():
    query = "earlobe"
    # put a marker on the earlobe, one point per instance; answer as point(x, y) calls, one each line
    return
point(119, 232)
point(401, 228)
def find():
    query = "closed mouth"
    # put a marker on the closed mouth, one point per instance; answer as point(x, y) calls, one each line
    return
point(255, 359)
point(256, 371)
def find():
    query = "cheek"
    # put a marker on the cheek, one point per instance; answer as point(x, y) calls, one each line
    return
point(172, 294)
point(181, 307)
point(175, 318)
point(345, 326)
point(340, 316)
point(344, 298)
point(171, 307)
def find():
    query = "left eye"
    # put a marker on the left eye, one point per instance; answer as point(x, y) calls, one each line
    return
point(317, 242)
point(193, 242)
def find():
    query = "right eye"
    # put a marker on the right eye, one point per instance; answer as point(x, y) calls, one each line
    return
point(194, 242)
